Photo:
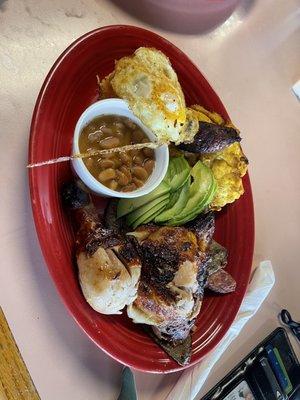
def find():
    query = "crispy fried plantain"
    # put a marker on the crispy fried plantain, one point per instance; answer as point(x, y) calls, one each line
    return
point(211, 138)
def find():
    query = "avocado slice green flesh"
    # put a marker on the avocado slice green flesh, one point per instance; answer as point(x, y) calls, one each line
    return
point(173, 198)
point(138, 213)
point(178, 173)
point(182, 173)
point(126, 206)
point(169, 212)
point(201, 207)
point(179, 180)
point(151, 214)
point(199, 195)
point(181, 220)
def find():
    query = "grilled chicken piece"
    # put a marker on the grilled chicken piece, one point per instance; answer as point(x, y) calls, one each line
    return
point(108, 264)
point(211, 138)
point(173, 277)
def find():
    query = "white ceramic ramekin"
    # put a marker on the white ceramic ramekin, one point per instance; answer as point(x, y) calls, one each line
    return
point(117, 107)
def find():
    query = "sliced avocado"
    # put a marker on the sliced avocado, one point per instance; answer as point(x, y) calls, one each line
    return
point(136, 214)
point(189, 216)
point(179, 179)
point(173, 198)
point(200, 193)
point(178, 172)
point(171, 212)
point(151, 214)
point(126, 206)
point(170, 172)
point(201, 207)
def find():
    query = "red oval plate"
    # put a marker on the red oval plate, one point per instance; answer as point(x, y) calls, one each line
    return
point(69, 88)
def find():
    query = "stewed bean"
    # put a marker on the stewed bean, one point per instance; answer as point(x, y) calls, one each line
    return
point(149, 165)
point(122, 179)
point(113, 184)
point(107, 174)
point(106, 163)
point(109, 142)
point(140, 173)
point(106, 130)
point(118, 162)
point(138, 160)
point(89, 162)
point(94, 136)
point(125, 157)
point(137, 182)
point(121, 171)
point(126, 171)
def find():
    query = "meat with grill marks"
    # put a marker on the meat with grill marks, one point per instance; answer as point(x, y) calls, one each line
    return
point(108, 263)
point(173, 275)
point(158, 272)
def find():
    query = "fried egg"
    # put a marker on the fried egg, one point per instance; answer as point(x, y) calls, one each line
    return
point(147, 81)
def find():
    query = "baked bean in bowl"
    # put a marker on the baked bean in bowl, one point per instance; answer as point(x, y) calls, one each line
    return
point(108, 124)
point(122, 171)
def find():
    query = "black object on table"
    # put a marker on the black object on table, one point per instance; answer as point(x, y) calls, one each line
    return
point(287, 320)
point(270, 372)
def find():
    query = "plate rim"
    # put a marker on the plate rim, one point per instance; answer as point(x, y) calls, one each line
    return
point(36, 207)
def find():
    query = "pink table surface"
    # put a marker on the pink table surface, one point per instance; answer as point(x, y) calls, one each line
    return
point(252, 61)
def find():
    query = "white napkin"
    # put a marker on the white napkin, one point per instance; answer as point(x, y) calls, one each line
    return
point(192, 379)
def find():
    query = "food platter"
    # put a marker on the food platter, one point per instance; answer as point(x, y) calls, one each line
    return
point(68, 90)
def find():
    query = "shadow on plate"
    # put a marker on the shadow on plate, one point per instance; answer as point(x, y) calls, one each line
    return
point(183, 16)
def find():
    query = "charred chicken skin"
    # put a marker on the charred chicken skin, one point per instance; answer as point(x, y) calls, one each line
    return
point(173, 274)
point(158, 272)
point(108, 263)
